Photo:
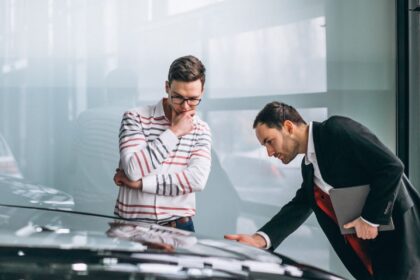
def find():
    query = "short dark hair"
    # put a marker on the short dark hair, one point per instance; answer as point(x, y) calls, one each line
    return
point(275, 113)
point(187, 69)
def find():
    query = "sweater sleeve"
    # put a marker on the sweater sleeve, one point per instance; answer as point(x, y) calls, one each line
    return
point(191, 179)
point(138, 157)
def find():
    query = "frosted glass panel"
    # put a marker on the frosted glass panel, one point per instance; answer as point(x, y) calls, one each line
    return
point(69, 69)
point(285, 59)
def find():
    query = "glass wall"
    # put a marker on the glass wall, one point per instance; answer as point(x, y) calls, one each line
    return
point(70, 68)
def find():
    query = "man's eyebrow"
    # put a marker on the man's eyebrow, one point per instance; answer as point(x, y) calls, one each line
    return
point(264, 142)
point(176, 93)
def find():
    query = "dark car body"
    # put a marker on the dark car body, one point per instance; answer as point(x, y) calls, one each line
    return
point(41, 237)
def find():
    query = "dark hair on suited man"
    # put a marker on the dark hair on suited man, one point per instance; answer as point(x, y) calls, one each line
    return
point(275, 113)
point(187, 69)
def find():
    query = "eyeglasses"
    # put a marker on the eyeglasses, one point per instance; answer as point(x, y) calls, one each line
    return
point(179, 100)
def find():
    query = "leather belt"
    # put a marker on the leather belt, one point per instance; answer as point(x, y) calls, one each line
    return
point(181, 220)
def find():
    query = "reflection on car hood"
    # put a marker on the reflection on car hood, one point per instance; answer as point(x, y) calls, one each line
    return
point(52, 243)
point(18, 192)
point(42, 238)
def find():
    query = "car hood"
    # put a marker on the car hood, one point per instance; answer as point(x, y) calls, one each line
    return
point(52, 242)
point(42, 237)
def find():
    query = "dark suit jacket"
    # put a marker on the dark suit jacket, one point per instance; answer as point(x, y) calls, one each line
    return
point(348, 154)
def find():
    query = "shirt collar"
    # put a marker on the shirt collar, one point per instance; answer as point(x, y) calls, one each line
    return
point(159, 112)
point(310, 152)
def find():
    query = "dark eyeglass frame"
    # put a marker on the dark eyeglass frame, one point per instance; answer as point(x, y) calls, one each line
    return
point(190, 101)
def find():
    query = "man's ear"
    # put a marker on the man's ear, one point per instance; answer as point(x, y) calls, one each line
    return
point(167, 87)
point(288, 126)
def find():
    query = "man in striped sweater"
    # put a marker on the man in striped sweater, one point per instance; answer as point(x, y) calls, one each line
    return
point(165, 152)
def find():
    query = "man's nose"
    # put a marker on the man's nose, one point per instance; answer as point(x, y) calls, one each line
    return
point(270, 151)
point(185, 105)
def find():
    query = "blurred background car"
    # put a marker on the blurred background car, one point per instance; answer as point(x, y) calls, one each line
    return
point(16, 191)
point(8, 164)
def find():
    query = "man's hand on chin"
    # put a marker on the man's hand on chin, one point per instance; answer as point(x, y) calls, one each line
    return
point(183, 123)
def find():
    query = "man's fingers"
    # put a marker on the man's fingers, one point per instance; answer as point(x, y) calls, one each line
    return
point(232, 236)
point(190, 113)
point(365, 231)
point(372, 234)
point(118, 180)
point(349, 225)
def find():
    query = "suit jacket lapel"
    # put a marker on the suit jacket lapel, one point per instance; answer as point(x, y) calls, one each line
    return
point(308, 181)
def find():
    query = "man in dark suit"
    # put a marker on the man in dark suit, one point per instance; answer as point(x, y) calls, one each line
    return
point(340, 153)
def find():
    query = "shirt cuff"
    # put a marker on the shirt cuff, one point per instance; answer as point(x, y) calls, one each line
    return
point(372, 224)
point(149, 184)
point(266, 238)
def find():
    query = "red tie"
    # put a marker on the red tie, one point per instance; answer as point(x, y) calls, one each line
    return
point(358, 245)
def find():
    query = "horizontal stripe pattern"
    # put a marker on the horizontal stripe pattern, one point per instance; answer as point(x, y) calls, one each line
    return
point(171, 169)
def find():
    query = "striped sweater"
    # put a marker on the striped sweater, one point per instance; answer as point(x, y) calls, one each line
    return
point(172, 169)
